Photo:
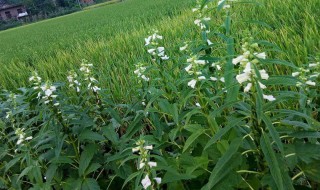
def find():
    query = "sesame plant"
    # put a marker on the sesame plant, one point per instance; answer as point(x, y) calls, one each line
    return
point(214, 116)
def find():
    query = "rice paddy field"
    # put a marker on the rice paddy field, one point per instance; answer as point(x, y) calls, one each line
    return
point(111, 37)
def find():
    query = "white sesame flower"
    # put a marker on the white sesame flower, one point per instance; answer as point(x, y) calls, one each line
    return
point(264, 74)
point(295, 74)
point(165, 57)
point(269, 97)
point(141, 165)
point(313, 64)
point(152, 164)
point(209, 42)
point(145, 78)
point(241, 78)
point(262, 55)
point(192, 83)
point(200, 62)
point(151, 50)
point(150, 147)
point(136, 149)
point(160, 49)
point(206, 18)
point(222, 79)
point(198, 105)
point(29, 138)
point(248, 87)
point(188, 68)
point(247, 68)
point(48, 92)
point(146, 182)
point(148, 40)
point(19, 141)
point(158, 179)
point(31, 78)
point(311, 83)
point(96, 89)
point(183, 47)
point(226, 6)
point(189, 60)
point(197, 21)
point(238, 59)
point(218, 67)
point(56, 104)
point(213, 78)
point(262, 85)
point(202, 78)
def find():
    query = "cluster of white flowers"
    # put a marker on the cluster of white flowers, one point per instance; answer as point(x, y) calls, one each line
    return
point(308, 76)
point(140, 69)
point(36, 80)
point(73, 82)
point(21, 136)
point(48, 93)
point(194, 68)
point(145, 164)
point(152, 43)
point(246, 61)
point(88, 76)
point(201, 17)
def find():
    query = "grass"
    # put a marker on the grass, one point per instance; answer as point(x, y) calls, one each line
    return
point(112, 38)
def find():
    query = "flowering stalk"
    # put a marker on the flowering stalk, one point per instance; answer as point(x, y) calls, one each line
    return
point(145, 165)
point(248, 61)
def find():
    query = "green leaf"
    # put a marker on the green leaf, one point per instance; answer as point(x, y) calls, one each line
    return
point(172, 176)
point(93, 167)
point(90, 135)
point(273, 132)
point(274, 166)
point(90, 184)
point(223, 131)
point(51, 172)
point(225, 164)
point(11, 163)
point(86, 158)
point(25, 172)
point(305, 134)
point(109, 132)
point(192, 138)
point(133, 175)
point(281, 80)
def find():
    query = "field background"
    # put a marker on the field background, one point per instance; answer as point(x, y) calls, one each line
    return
point(111, 37)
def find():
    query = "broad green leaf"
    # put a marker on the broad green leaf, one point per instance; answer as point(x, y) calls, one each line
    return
point(50, 173)
point(90, 135)
point(11, 163)
point(223, 131)
point(225, 164)
point(93, 167)
point(25, 171)
point(273, 132)
point(133, 175)
point(90, 184)
point(274, 166)
point(86, 157)
point(192, 138)
point(305, 134)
